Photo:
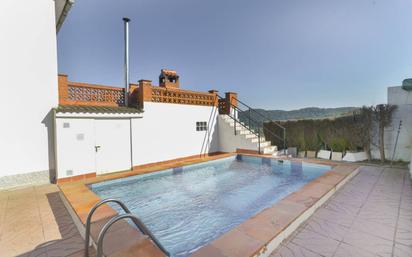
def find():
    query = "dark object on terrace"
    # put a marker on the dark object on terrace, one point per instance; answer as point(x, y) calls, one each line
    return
point(169, 79)
point(407, 84)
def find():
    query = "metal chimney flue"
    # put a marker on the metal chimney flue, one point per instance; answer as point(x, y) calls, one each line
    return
point(126, 60)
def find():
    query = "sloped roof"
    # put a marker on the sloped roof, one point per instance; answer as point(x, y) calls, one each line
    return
point(61, 8)
point(96, 109)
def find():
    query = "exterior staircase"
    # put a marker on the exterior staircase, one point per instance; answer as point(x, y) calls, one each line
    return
point(244, 138)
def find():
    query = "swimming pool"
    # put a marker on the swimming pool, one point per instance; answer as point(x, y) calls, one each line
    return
point(188, 207)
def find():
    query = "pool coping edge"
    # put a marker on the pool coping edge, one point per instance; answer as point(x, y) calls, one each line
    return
point(265, 248)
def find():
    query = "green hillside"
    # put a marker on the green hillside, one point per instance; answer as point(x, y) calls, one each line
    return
point(304, 113)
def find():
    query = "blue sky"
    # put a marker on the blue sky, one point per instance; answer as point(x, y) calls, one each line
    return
point(277, 54)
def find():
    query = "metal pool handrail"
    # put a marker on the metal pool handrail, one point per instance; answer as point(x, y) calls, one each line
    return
point(140, 225)
point(89, 219)
point(136, 221)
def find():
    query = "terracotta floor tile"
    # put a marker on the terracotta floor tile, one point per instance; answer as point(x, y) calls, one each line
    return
point(263, 230)
point(207, 251)
point(331, 178)
point(236, 243)
point(285, 205)
point(35, 223)
point(142, 248)
point(300, 198)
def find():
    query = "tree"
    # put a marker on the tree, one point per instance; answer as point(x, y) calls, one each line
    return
point(365, 128)
point(383, 116)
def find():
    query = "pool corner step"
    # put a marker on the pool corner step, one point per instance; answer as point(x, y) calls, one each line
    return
point(120, 236)
point(142, 248)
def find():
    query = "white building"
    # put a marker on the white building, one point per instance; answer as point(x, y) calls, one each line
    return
point(67, 130)
point(28, 76)
point(95, 134)
point(64, 130)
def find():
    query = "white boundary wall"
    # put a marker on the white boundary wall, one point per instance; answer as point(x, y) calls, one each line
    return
point(168, 131)
point(403, 99)
point(163, 132)
point(28, 79)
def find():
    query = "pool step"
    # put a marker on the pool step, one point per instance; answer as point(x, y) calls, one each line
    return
point(122, 239)
point(120, 236)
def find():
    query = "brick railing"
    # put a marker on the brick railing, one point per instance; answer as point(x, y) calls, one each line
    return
point(163, 95)
point(74, 93)
point(149, 93)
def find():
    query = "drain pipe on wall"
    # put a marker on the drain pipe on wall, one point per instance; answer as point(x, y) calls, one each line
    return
point(126, 60)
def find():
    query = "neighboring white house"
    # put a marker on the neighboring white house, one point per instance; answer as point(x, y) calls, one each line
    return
point(28, 79)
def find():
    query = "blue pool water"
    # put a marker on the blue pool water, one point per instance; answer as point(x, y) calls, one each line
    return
point(188, 207)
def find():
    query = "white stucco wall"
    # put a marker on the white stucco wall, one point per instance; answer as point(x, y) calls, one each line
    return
point(229, 142)
point(163, 132)
point(398, 96)
point(168, 131)
point(403, 100)
point(28, 79)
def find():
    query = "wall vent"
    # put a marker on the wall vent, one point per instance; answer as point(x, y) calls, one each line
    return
point(69, 172)
point(80, 137)
point(66, 125)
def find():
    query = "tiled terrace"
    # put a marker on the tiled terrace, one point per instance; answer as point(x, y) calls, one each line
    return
point(35, 223)
point(369, 216)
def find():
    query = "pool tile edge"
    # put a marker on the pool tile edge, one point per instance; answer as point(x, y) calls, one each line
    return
point(78, 198)
point(291, 223)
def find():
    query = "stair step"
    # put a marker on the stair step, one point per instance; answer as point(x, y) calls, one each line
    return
point(251, 136)
point(232, 124)
point(255, 139)
point(269, 149)
point(265, 144)
point(245, 132)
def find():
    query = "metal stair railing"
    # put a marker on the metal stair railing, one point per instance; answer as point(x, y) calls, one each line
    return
point(135, 220)
point(265, 119)
point(236, 120)
point(253, 123)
